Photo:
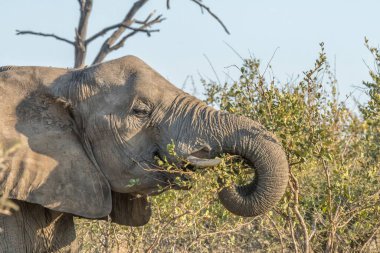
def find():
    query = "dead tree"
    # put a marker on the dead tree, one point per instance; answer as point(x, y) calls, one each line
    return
point(122, 31)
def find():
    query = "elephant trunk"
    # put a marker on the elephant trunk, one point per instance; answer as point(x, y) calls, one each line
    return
point(260, 148)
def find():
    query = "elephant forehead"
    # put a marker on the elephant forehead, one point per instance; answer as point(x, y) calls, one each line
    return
point(155, 89)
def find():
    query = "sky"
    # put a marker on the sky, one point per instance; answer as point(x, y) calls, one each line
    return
point(188, 39)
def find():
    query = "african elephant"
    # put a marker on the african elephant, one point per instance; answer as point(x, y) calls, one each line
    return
point(82, 135)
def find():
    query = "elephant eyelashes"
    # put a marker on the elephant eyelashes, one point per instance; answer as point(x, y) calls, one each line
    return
point(141, 110)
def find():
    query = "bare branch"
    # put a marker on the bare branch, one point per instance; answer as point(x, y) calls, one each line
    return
point(158, 237)
point(291, 227)
point(168, 4)
point(212, 14)
point(107, 29)
point(19, 32)
point(122, 41)
point(81, 33)
point(277, 231)
point(147, 19)
point(128, 20)
point(294, 186)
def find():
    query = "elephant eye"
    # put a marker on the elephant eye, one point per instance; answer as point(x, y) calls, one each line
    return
point(141, 110)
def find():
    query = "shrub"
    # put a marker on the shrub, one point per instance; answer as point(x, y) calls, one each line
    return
point(332, 202)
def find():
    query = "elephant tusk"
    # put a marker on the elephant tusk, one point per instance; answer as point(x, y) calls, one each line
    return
point(202, 162)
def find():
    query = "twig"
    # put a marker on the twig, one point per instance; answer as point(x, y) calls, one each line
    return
point(233, 50)
point(354, 212)
point(128, 20)
point(239, 227)
point(107, 29)
point(314, 229)
point(158, 237)
point(295, 163)
point(213, 69)
point(332, 229)
point(142, 28)
point(270, 60)
point(295, 189)
point(212, 14)
point(292, 231)
point(373, 234)
point(22, 32)
point(278, 232)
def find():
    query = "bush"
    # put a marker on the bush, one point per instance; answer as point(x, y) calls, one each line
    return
point(332, 202)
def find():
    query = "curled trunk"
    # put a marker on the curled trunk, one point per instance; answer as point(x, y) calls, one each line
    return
point(258, 146)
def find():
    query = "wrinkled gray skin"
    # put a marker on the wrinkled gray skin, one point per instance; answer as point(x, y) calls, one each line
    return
point(83, 136)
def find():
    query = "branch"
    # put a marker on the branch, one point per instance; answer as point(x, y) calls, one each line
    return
point(18, 32)
point(128, 20)
point(122, 41)
point(294, 186)
point(158, 237)
point(212, 14)
point(369, 240)
point(291, 227)
point(107, 29)
point(146, 20)
point(81, 33)
point(277, 231)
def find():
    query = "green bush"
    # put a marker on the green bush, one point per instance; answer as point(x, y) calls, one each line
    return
point(332, 202)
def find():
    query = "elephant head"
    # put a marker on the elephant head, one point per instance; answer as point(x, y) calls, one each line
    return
point(89, 139)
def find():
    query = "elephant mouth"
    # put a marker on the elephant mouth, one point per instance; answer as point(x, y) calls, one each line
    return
point(180, 178)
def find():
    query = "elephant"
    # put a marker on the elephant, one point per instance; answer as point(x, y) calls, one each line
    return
point(83, 135)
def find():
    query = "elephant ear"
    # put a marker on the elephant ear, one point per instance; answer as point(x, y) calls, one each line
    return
point(49, 165)
point(130, 210)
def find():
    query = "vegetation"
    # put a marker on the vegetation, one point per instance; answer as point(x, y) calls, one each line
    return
point(332, 202)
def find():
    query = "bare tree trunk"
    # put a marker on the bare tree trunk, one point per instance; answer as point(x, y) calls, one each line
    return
point(81, 33)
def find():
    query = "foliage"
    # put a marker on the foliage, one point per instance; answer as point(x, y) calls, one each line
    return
point(332, 202)
point(371, 111)
point(333, 199)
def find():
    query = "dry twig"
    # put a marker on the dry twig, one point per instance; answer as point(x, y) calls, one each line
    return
point(24, 32)
point(211, 13)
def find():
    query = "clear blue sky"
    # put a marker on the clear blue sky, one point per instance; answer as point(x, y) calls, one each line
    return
point(259, 27)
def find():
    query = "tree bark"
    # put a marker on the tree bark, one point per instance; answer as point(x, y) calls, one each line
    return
point(81, 33)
